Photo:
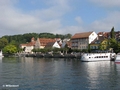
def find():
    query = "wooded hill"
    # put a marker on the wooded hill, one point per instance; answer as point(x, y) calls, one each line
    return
point(23, 38)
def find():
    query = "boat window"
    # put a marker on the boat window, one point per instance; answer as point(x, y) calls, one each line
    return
point(106, 56)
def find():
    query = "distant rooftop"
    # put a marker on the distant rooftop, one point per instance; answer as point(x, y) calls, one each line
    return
point(82, 35)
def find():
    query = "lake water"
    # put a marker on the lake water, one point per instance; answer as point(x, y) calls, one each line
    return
point(58, 74)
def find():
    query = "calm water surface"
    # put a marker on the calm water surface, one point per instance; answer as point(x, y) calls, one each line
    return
point(58, 74)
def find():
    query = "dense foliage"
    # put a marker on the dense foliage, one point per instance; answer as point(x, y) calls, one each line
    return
point(3, 42)
point(27, 37)
point(113, 43)
point(112, 33)
point(10, 49)
point(16, 40)
point(10, 44)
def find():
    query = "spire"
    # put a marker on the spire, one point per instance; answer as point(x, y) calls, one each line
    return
point(32, 39)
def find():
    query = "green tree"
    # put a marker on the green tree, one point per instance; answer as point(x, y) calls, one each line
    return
point(112, 33)
point(113, 44)
point(10, 49)
point(68, 36)
point(3, 42)
point(118, 48)
point(89, 49)
point(100, 47)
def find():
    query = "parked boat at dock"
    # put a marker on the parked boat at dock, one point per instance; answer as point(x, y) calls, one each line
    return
point(97, 56)
point(1, 54)
point(117, 60)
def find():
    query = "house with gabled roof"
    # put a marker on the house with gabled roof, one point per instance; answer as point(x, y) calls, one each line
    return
point(101, 42)
point(65, 42)
point(53, 45)
point(96, 43)
point(28, 46)
point(82, 40)
point(42, 42)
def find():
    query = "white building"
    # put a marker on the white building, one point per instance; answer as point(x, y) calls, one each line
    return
point(82, 40)
point(53, 45)
point(65, 41)
point(28, 47)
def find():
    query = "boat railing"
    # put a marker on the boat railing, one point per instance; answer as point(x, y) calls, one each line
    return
point(89, 54)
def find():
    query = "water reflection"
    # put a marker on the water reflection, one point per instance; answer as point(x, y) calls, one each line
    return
point(101, 74)
point(1, 59)
point(59, 73)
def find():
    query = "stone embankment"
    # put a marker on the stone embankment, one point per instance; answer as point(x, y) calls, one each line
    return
point(50, 55)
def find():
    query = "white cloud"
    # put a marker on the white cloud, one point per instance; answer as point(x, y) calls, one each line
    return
point(107, 23)
point(107, 3)
point(14, 21)
point(71, 29)
point(7, 2)
point(112, 15)
point(57, 8)
point(79, 20)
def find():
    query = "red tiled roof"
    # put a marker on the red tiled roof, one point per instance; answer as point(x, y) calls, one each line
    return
point(28, 44)
point(23, 44)
point(81, 35)
point(31, 44)
point(104, 34)
point(50, 44)
point(44, 41)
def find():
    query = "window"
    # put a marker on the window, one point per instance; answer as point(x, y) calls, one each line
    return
point(91, 47)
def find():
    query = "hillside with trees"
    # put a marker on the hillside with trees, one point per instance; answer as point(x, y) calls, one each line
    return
point(27, 37)
point(10, 42)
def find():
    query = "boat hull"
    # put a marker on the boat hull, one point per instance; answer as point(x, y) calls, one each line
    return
point(1, 55)
point(117, 60)
point(88, 57)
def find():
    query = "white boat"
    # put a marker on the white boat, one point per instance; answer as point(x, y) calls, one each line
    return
point(97, 57)
point(117, 60)
point(1, 54)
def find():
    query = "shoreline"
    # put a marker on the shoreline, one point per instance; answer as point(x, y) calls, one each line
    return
point(41, 55)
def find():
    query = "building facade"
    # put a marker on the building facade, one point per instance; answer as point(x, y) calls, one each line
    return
point(101, 42)
point(82, 40)
point(42, 42)
point(28, 46)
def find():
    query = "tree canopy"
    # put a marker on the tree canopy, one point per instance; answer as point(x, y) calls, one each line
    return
point(3, 42)
point(27, 37)
point(7, 41)
point(10, 49)
point(112, 33)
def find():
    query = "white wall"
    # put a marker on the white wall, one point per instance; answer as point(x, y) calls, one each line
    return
point(92, 37)
point(29, 49)
point(56, 45)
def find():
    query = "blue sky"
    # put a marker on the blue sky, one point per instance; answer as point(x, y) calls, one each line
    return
point(58, 16)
